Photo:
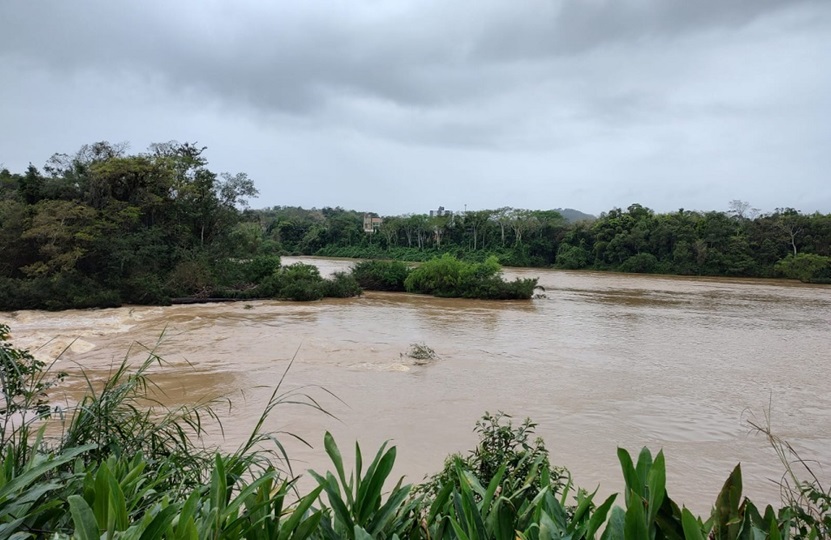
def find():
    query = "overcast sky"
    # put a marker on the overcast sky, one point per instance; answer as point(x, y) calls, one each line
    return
point(402, 106)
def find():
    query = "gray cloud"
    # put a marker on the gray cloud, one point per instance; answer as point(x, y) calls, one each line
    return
point(650, 95)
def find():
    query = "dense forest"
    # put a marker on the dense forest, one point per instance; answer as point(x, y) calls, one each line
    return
point(104, 226)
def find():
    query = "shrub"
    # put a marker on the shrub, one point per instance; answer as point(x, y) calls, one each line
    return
point(260, 267)
point(449, 277)
point(381, 275)
point(642, 263)
point(191, 277)
point(572, 257)
point(503, 444)
point(342, 285)
point(299, 281)
point(806, 267)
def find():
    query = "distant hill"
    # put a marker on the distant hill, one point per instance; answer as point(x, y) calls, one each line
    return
point(573, 215)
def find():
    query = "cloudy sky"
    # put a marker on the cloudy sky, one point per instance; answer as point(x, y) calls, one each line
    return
point(402, 106)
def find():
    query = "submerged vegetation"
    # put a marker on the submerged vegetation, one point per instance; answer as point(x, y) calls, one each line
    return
point(444, 276)
point(125, 469)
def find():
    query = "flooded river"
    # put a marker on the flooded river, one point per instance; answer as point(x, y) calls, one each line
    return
point(606, 360)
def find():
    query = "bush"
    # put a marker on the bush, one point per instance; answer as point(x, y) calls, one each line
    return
point(381, 275)
point(806, 267)
point(260, 267)
point(67, 290)
point(191, 277)
point(303, 282)
point(342, 285)
point(572, 257)
point(503, 444)
point(642, 263)
point(298, 281)
point(449, 277)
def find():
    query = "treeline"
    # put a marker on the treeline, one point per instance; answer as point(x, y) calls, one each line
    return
point(740, 242)
point(104, 227)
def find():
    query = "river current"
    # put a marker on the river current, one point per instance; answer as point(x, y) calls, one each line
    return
point(605, 360)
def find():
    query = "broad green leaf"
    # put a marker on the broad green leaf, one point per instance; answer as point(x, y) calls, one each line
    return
point(635, 524)
point(86, 528)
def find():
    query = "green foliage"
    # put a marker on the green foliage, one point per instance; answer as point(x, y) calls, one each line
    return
point(358, 508)
point(523, 462)
point(447, 276)
point(381, 275)
point(572, 257)
point(24, 381)
point(342, 285)
point(642, 263)
point(300, 282)
point(806, 267)
point(421, 353)
point(260, 267)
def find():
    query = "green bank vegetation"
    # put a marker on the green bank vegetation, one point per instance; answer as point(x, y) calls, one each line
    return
point(123, 470)
point(444, 276)
point(104, 226)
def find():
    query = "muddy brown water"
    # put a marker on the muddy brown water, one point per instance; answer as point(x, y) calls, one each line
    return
point(606, 360)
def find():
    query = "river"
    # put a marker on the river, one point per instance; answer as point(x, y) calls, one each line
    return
point(606, 360)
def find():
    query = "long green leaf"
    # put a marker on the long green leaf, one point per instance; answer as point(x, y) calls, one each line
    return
point(23, 480)
point(373, 485)
point(334, 454)
point(635, 523)
point(117, 506)
point(692, 528)
point(656, 480)
point(630, 475)
point(387, 512)
point(160, 524)
point(599, 516)
point(86, 528)
point(615, 529)
point(288, 526)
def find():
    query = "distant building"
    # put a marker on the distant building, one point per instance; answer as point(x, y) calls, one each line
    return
point(371, 223)
point(441, 212)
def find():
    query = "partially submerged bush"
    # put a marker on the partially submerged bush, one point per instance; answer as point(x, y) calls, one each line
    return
point(806, 267)
point(342, 285)
point(303, 282)
point(449, 277)
point(381, 275)
point(421, 353)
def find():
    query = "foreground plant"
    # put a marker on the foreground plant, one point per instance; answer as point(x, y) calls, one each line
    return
point(358, 508)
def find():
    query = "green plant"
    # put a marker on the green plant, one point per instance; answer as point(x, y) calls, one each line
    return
point(341, 285)
point(24, 383)
point(501, 444)
point(448, 276)
point(357, 505)
point(381, 275)
point(807, 500)
point(122, 418)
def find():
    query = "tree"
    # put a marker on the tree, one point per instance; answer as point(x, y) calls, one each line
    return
point(741, 210)
point(390, 226)
point(792, 223)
